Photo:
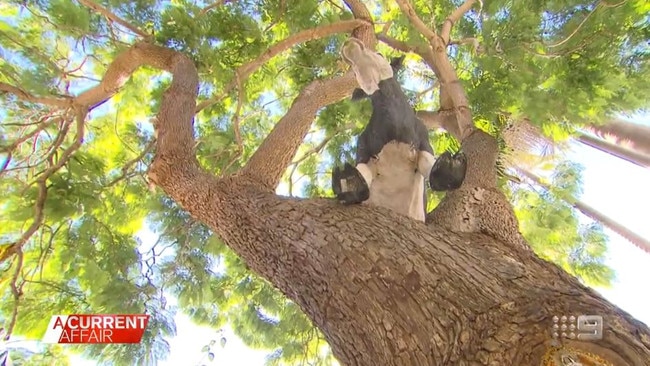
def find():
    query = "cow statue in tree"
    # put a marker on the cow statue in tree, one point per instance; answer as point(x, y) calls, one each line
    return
point(394, 155)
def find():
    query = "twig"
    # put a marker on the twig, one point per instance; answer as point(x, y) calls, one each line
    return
point(214, 5)
point(565, 40)
point(235, 119)
point(409, 11)
point(132, 162)
point(114, 18)
point(453, 18)
point(42, 189)
point(17, 292)
point(51, 101)
point(425, 91)
point(307, 35)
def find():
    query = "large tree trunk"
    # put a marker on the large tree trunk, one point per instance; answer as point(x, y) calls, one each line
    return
point(386, 290)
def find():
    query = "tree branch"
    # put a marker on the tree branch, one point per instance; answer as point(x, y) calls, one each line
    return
point(398, 45)
point(114, 18)
point(453, 18)
point(23, 95)
point(246, 70)
point(409, 11)
point(16, 246)
point(268, 163)
point(214, 5)
point(364, 33)
point(438, 119)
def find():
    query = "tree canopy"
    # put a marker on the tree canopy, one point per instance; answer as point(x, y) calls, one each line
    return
point(76, 191)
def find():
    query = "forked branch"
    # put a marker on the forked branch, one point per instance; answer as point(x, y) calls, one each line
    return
point(409, 11)
point(453, 18)
point(269, 162)
point(246, 70)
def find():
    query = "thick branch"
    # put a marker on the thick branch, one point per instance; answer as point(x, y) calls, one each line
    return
point(364, 33)
point(453, 18)
point(439, 119)
point(23, 95)
point(271, 159)
point(114, 18)
point(121, 69)
point(246, 70)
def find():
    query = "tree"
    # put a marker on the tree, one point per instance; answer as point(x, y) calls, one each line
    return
point(463, 289)
point(618, 149)
point(592, 213)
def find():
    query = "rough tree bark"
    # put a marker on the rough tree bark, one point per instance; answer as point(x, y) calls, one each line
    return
point(399, 292)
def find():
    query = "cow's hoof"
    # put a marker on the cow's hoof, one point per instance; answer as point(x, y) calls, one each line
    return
point(448, 173)
point(349, 186)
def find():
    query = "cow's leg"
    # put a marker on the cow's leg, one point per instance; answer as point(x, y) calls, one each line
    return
point(426, 160)
point(448, 172)
point(352, 185)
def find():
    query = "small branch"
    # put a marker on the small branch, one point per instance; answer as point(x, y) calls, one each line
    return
point(439, 119)
point(214, 5)
point(453, 18)
point(114, 18)
point(21, 94)
point(235, 120)
point(396, 44)
point(409, 11)
point(42, 189)
point(433, 86)
point(16, 246)
point(17, 293)
point(565, 40)
point(246, 70)
point(130, 163)
point(472, 40)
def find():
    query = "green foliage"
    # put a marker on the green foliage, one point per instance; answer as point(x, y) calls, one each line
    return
point(560, 63)
point(553, 228)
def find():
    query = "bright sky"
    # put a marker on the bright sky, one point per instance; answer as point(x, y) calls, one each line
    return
point(621, 199)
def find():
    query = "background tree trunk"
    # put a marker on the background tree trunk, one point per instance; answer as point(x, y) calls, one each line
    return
point(624, 133)
point(633, 156)
point(634, 238)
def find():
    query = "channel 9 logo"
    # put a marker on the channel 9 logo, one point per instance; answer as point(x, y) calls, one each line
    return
point(582, 328)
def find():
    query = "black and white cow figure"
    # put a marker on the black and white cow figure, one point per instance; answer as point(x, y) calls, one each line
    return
point(394, 154)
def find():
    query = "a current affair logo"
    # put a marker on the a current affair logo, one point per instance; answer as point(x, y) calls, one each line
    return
point(96, 328)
